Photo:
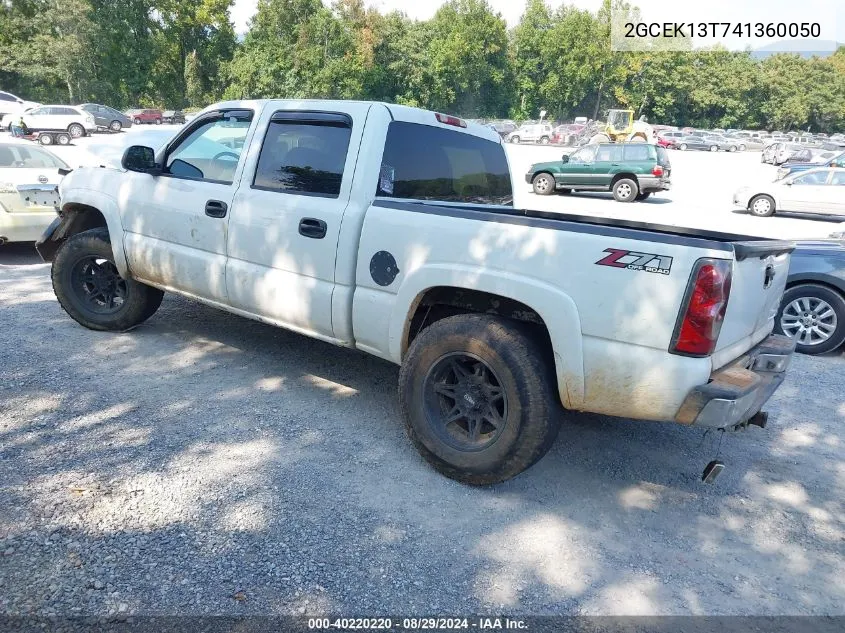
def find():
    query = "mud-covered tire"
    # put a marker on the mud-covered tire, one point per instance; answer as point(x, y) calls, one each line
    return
point(139, 301)
point(531, 416)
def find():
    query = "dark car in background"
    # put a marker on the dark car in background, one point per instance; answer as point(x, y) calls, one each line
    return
point(684, 143)
point(107, 118)
point(146, 115)
point(813, 307)
point(789, 168)
point(632, 171)
point(173, 117)
point(502, 128)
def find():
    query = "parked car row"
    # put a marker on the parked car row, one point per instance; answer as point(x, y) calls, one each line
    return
point(77, 120)
point(710, 143)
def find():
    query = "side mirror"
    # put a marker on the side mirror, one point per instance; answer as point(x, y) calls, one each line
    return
point(565, 158)
point(141, 159)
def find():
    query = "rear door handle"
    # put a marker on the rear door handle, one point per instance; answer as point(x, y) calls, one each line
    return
point(216, 209)
point(313, 228)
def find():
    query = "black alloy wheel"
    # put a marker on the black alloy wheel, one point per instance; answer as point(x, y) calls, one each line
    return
point(465, 402)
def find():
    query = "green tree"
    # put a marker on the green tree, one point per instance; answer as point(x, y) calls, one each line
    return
point(532, 52)
point(53, 42)
point(186, 27)
point(466, 69)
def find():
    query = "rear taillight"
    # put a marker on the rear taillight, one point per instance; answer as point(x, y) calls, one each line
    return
point(658, 170)
point(450, 120)
point(703, 310)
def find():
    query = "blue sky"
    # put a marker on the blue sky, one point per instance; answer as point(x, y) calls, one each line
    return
point(823, 11)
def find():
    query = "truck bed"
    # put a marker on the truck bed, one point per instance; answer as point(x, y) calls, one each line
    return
point(743, 246)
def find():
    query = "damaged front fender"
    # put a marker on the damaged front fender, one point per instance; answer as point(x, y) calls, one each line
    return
point(52, 239)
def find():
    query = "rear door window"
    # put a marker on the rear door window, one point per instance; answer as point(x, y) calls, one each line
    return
point(425, 162)
point(638, 152)
point(304, 153)
point(609, 153)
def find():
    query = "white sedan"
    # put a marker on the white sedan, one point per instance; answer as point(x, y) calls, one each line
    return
point(29, 177)
point(820, 190)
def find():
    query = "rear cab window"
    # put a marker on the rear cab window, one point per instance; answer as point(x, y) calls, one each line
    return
point(425, 162)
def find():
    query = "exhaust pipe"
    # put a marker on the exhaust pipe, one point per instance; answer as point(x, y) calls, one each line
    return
point(3, 240)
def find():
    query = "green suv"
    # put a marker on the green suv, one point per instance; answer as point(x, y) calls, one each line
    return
point(632, 171)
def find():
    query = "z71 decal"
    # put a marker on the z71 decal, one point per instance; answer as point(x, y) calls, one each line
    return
point(632, 260)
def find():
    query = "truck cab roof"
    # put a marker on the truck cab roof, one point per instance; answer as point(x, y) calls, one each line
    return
point(397, 112)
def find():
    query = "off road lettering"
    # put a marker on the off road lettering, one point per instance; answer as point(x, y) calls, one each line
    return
point(633, 260)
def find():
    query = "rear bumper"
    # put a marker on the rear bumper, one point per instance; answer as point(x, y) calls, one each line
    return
point(738, 391)
point(649, 184)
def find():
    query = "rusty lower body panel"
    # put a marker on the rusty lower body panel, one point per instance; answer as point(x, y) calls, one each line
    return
point(738, 391)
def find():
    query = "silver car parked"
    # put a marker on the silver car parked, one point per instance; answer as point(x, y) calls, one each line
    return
point(533, 133)
point(820, 190)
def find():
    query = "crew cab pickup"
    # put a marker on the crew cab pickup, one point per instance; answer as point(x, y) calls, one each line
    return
point(391, 230)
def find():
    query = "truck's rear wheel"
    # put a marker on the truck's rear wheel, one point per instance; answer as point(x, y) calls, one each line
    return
point(90, 289)
point(478, 399)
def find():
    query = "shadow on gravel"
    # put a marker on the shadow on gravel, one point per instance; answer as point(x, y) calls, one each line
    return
point(19, 254)
point(205, 463)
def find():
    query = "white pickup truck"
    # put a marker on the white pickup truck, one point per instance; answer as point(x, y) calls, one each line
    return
point(391, 230)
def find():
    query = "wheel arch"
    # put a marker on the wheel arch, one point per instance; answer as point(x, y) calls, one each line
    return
point(544, 171)
point(831, 283)
point(434, 293)
point(82, 214)
point(624, 174)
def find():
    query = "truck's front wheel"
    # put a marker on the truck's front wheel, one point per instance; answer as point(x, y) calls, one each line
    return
point(478, 399)
point(91, 290)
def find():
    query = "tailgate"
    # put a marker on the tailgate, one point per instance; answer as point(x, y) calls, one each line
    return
point(759, 279)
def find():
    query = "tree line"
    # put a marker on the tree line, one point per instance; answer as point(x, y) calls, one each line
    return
point(464, 60)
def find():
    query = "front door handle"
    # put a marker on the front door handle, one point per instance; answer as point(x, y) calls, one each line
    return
point(216, 209)
point(313, 228)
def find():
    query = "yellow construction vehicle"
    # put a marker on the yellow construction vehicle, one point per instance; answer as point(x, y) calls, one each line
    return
point(622, 128)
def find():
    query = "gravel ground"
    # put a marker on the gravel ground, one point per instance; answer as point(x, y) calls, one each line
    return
point(209, 464)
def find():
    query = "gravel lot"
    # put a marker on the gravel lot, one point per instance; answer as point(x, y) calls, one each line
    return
point(205, 463)
point(209, 464)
